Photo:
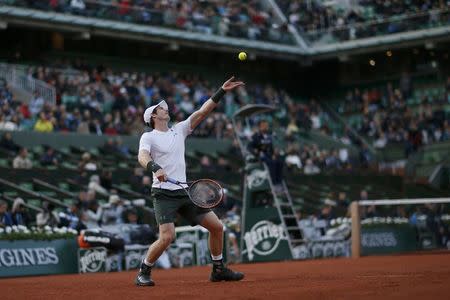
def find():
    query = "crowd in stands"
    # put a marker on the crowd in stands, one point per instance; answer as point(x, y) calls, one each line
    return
point(389, 117)
point(84, 213)
point(362, 18)
point(103, 102)
point(100, 101)
point(242, 19)
point(311, 160)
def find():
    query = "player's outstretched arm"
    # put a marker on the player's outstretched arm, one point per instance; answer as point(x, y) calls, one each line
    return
point(198, 116)
point(145, 160)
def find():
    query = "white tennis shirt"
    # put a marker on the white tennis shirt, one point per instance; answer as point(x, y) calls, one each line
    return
point(167, 150)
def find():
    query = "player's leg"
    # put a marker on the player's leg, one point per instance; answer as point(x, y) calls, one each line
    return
point(166, 236)
point(215, 227)
point(165, 213)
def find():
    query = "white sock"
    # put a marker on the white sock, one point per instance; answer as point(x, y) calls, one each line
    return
point(146, 262)
point(218, 257)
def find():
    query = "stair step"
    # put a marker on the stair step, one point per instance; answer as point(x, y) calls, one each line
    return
point(289, 216)
point(292, 228)
point(297, 240)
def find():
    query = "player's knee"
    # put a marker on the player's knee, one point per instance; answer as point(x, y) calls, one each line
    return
point(217, 228)
point(167, 238)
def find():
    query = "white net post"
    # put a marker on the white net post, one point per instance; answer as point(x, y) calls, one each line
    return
point(356, 229)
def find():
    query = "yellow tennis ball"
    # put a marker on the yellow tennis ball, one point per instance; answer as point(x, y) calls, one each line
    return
point(242, 56)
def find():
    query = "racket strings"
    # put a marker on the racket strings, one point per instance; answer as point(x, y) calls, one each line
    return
point(205, 193)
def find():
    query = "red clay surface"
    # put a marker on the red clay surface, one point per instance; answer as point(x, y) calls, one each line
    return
point(389, 277)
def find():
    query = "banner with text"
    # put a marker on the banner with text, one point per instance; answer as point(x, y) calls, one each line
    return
point(385, 239)
point(30, 257)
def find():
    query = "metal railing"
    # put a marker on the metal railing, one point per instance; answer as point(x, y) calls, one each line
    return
point(16, 76)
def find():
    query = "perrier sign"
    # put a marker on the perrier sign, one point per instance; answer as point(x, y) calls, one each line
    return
point(263, 236)
point(263, 239)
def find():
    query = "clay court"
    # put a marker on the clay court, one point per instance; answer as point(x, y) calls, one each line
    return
point(424, 276)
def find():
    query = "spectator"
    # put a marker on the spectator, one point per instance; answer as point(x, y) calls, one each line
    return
point(83, 199)
point(132, 216)
point(19, 213)
point(87, 163)
point(371, 211)
point(261, 146)
point(363, 195)
point(206, 164)
point(7, 125)
point(310, 168)
point(47, 217)
point(381, 141)
point(77, 6)
point(106, 179)
point(327, 212)
point(293, 160)
point(93, 215)
point(7, 143)
point(122, 149)
point(94, 184)
point(5, 216)
point(72, 217)
point(343, 203)
point(36, 104)
point(110, 147)
point(43, 124)
point(136, 179)
point(112, 213)
point(22, 161)
point(49, 158)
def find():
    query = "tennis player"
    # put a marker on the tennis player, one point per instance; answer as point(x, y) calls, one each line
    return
point(161, 151)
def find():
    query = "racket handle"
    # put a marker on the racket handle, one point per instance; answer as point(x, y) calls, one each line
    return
point(172, 180)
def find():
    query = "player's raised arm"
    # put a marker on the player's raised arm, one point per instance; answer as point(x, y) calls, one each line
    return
point(198, 116)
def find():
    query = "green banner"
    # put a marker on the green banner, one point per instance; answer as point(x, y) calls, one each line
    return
point(386, 239)
point(263, 236)
point(29, 257)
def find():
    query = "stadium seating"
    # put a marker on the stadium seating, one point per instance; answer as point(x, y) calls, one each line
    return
point(323, 22)
point(240, 19)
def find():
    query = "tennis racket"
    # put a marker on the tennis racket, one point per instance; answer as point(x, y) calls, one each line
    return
point(205, 193)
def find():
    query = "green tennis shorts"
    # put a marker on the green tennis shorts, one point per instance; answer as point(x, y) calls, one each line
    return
point(168, 203)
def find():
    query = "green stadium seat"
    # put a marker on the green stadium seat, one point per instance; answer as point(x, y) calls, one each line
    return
point(49, 193)
point(26, 185)
point(12, 194)
point(63, 186)
point(67, 201)
point(4, 163)
point(35, 202)
point(68, 165)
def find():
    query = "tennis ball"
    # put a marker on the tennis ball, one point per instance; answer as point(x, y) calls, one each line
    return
point(242, 56)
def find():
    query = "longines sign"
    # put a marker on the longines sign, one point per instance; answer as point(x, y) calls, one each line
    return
point(29, 257)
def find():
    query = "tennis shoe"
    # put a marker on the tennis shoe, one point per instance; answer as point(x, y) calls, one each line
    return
point(225, 274)
point(144, 278)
